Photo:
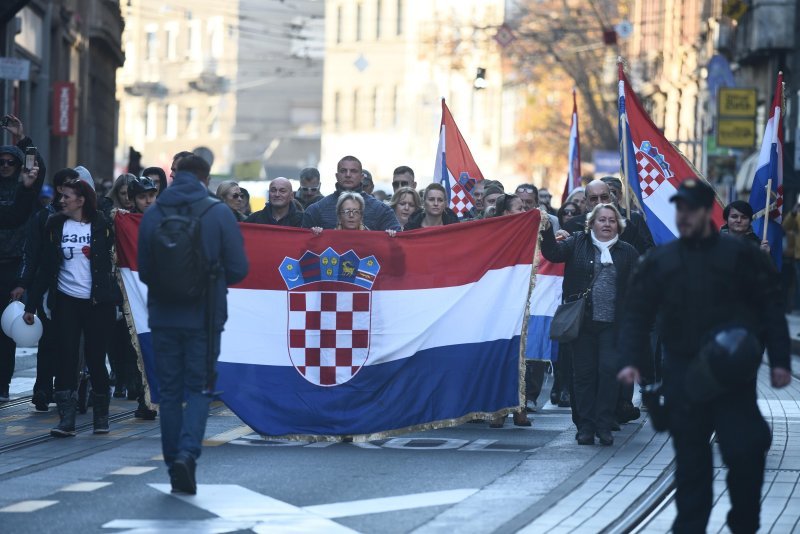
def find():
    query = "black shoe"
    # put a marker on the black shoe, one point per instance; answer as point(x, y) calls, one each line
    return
point(67, 404)
point(4, 396)
point(120, 392)
point(564, 400)
point(605, 437)
point(100, 413)
point(39, 401)
point(145, 413)
point(181, 475)
point(585, 438)
point(554, 397)
point(627, 412)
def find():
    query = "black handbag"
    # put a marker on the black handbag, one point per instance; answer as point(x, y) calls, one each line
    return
point(569, 316)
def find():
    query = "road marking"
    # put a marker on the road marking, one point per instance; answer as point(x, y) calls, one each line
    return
point(483, 445)
point(390, 504)
point(85, 486)
point(158, 458)
point(28, 506)
point(239, 508)
point(225, 437)
point(133, 470)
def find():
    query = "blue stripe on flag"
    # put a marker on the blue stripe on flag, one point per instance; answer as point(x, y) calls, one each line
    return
point(432, 385)
point(539, 346)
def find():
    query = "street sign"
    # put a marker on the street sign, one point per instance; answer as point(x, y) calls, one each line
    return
point(12, 68)
point(737, 102)
point(736, 133)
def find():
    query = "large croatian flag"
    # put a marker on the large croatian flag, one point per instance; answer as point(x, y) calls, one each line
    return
point(652, 165)
point(455, 168)
point(770, 172)
point(361, 334)
point(545, 298)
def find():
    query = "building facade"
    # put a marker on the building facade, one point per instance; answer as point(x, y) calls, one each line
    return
point(67, 100)
point(242, 79)
point(388, 64)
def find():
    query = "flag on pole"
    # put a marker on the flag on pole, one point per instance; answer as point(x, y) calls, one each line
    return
point(651, 165)
point(574, 172)
point(353, 333)
point(769, 170)
point(455, 168)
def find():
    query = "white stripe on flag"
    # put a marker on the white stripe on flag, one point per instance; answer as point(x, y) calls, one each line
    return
point(659, 204)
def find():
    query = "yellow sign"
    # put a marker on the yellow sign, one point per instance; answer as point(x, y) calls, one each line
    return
point(736, 133)
point(737, 102)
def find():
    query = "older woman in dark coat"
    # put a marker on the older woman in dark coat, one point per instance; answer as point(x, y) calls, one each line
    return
point(598, 264)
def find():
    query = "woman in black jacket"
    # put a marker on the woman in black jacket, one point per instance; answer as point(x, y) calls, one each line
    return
point(76, 270)
point(599, 264)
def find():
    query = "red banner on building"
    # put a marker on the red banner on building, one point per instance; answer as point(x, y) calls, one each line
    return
point(63, 108)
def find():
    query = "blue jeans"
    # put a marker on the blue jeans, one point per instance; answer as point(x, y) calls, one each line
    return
point(180, 355)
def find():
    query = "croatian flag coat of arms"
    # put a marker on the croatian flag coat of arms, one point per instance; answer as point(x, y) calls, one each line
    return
point(329, 314)
point(357, 334)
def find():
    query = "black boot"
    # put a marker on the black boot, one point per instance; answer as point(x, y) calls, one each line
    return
point(67, 402)
point(100, 412)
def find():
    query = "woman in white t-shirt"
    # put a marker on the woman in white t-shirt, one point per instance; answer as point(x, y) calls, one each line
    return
point(76, 272)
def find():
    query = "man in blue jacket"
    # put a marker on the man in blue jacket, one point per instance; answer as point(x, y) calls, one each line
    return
point(349, 176)
point(179, 328)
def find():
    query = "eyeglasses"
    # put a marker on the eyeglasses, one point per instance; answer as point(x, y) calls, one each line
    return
point(309, 189)
point(237, 195)
point(602, 198)
point(401, 184)
point(8, 163)
point(524, 190)
point(350, 212)
point(570, 212)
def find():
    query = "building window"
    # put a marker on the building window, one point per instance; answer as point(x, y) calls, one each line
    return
point(337, 110)
point(395, 103)
point(171, 43)
point(399, 17)
point(150, 121)
point(150, 46)
point(191, 121)
point(359, 19)
point(374, 108)
point(355, 109)
point(215, 37)
point(378, 13)
point(171, 122)
point(193, 43)
point(339, 24)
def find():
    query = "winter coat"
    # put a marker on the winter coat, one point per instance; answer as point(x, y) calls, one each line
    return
point(222, 244)
point(377, 215)
point(293, 218)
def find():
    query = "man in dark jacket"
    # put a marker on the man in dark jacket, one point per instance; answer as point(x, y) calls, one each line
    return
point(693, 287)
point(181, 341)
point(309, 187)
point(349, 175)
point(18, 201)
point(280, 210)
point(636, 231)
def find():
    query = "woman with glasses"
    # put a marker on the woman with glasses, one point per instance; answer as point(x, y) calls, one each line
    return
point(350, 211)
point(405, 202)
point(434, 210)
point(568, 211)
point(76, 270)
point(231, 194)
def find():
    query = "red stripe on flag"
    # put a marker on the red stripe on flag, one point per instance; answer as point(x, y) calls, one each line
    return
point(446, 256)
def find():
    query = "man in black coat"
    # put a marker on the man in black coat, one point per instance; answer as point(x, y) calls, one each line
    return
point(692, 288)
point(280, 209)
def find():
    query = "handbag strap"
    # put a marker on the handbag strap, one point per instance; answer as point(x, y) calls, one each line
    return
point(594, 279)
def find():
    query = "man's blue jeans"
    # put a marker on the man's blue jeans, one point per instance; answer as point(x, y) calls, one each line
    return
point(181, 355)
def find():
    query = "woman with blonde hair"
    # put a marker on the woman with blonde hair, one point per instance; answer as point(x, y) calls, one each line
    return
point(231, 194)
point(119, 194)
point(598, 267)
point(405, 202)
point(350, 211)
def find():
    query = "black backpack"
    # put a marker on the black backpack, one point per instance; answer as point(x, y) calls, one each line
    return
point(181, 271)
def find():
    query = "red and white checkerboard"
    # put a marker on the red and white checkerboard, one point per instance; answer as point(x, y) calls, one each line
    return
point(329, 334)
point(650, 176)
point(460, 200)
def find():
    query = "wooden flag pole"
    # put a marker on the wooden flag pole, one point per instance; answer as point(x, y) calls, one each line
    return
point(766, 209)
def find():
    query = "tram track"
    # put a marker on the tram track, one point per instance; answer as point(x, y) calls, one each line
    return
point(13, 403)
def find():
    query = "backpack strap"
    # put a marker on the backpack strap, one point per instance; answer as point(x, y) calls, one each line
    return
point(197, 208)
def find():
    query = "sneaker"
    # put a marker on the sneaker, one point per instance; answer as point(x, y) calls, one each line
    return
point(145, 413)
point(4, 397)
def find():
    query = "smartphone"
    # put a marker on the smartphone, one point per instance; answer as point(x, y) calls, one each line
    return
point(30, 157)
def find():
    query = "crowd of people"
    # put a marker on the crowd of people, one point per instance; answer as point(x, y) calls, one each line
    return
point(57, 253)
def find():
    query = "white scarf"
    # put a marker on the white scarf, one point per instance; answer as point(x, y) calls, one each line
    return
point(604, 246)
